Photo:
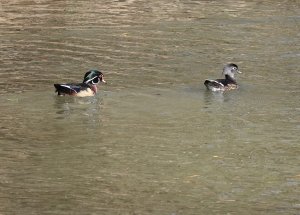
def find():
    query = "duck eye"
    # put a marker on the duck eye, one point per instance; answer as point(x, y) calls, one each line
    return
point(95, 80)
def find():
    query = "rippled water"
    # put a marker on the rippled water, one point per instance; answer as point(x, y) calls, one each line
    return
point(153, 140)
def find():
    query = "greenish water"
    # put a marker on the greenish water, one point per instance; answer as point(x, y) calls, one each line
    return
point(153, 140)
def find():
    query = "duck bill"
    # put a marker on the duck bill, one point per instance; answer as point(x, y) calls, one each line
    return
point(102, 80)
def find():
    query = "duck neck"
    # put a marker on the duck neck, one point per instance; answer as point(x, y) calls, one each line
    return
point(94, 88)
point(230, 79)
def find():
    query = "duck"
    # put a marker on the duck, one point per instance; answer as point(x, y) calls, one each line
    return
point(88, 87)
point(229, 83)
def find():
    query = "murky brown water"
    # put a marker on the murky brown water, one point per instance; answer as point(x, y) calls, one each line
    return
point(153, 141)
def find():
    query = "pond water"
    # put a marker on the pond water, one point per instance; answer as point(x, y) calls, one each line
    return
point(153, 140)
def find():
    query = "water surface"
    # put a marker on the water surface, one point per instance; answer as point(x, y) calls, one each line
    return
point(153, 140)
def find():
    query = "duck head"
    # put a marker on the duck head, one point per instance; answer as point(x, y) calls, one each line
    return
point(93, 77)
point(230, 70)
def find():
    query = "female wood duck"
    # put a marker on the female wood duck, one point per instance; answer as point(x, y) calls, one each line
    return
point(86, 88)
point(229, 83)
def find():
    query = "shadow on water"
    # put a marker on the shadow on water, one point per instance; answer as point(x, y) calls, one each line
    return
point(221, 100)
point(213, 98)
point(65, 106)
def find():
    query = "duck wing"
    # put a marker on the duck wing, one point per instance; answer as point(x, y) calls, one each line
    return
point(70, 89)
point(214, 84)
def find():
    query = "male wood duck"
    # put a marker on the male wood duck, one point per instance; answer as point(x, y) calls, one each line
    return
point(229, 83)
point(88, 87)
